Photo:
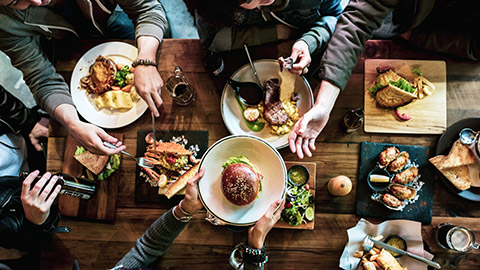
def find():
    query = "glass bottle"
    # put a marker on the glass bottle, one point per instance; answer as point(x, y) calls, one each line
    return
point(179, 89)
point(71, 185)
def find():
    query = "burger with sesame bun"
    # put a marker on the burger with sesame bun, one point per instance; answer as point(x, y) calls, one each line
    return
point(241, 181)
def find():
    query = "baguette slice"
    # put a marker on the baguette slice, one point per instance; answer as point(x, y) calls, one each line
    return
point(458, 176)
point(93, 162)
point(182, 181)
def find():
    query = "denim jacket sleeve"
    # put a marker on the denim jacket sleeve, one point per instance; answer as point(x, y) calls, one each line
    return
point(15, 117)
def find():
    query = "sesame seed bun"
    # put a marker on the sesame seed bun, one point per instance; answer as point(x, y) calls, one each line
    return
point(240, 184)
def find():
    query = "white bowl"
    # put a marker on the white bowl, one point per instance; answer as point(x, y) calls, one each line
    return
point(267, 160)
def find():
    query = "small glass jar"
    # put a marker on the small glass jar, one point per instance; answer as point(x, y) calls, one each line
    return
point(352, 120)
point(179, 88)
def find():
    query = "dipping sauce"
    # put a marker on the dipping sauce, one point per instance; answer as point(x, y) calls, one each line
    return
point(251, 94)
point(298, 175)
point(398, 242)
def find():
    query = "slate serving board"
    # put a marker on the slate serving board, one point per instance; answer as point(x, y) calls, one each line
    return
point(420, 210)
point(144, 193)
point(102, 206)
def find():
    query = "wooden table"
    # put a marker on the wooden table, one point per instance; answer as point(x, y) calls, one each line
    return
point(204, 246)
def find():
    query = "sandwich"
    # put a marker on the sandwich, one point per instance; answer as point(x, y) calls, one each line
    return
point(241, 181)
point(100, 165)
point(391, 90)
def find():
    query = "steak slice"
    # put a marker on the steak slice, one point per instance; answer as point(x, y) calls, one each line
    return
point(273, 110)
point(101, 76)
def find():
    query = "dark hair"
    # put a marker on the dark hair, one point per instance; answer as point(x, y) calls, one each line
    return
point(217, 13)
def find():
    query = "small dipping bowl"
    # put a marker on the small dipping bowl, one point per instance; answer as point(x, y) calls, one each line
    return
point(378, 186)
point(298, 175)
point(398, 242)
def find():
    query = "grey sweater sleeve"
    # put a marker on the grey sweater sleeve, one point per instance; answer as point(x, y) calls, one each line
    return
point(154, 242)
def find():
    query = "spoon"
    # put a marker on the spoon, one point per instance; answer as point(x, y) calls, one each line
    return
point(249, 93)
point(254, 126)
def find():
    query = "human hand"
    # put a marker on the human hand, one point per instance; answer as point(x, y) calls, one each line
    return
point(258, 232)
point(302, 137)
point(301, 58)
point(92, 138)
point(36, 204)
point(148, 84)
point(39, 130)
point(191, 203)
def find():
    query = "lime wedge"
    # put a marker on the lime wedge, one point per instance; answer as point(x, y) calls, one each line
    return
point(309, 213)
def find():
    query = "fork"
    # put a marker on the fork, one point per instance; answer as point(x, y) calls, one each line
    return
point(367, 246)
point(142, 162)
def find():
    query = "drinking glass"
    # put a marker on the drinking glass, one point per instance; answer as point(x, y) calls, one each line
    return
point(179, 89)
point(457, 238)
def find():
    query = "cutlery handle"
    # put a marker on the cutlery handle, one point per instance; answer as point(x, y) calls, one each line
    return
point(107, 144)
point(427, 261)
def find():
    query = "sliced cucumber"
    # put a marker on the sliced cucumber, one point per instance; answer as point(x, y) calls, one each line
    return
point(309, 213)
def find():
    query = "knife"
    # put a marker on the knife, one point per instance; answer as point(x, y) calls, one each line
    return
point(154, 135)
point(402, 252)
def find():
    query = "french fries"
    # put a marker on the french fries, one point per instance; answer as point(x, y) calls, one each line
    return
point(369, 261)
point(424, 87)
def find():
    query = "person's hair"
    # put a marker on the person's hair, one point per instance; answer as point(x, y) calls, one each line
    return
point(217, 13)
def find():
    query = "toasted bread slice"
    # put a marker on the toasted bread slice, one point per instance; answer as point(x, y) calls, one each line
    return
point(386, 77)
point(459, 155)
point(181, 181)
point(458, 176)
point(93, 162)
point(170, 147)
point(392, 96)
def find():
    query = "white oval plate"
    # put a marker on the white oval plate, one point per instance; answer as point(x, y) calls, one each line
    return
point(289, 83)
point(267, 160)
point(120, 52)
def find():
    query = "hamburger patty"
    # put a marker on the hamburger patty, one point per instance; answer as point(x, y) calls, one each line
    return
point(240, 184)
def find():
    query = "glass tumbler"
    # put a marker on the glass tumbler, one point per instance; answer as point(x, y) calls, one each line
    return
point(179, 89)
point(457, 238)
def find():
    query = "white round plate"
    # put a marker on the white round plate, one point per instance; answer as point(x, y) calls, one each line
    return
point(289, 83)
point(119, 52)
point(267, 160)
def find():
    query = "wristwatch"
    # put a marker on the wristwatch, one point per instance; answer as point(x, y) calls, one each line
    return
point(143, 62)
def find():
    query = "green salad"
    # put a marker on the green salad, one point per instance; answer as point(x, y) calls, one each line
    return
point(299, 205)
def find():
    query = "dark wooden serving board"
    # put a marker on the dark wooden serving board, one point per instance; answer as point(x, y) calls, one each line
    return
point(144, 193)
point(420, 210)
point(102, 206)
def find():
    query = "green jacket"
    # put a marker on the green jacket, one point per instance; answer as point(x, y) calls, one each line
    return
point(21, 31)
point(314, 19)
point(361, 17)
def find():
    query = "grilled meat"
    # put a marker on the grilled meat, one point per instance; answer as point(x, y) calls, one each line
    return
point(101, 76)
point(399, 162)
point(406, 176)
point(274, 112)
point(403, 192)
point(387, 156)
point(391, 200)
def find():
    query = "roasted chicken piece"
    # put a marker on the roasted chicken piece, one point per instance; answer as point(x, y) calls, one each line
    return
point(403, 192)
point(391, 200)
point(406, 176)
point(399, 162)
point(387, 156)
point(274, 112)
point(101, 76)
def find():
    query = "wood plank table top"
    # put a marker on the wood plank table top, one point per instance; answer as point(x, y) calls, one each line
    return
point(204, 246)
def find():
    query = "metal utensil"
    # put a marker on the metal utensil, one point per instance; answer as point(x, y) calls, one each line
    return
point(467, 136)
point(252, 65)
point(154, 135)
point(402, 252)
point(367, 246)
point(142, 162)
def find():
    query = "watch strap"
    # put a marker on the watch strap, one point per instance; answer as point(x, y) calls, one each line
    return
point(143, 62)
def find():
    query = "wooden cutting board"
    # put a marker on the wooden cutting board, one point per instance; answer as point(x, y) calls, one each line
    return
point(311, 167)
point(102, 206)
point(428, 115)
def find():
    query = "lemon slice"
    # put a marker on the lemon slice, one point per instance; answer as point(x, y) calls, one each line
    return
point(378, 178)
point(162, 181)
point(309, 213)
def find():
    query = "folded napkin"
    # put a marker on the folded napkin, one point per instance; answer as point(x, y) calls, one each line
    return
point(411, 231)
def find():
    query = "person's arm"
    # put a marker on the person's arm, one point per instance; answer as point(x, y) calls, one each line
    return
point(150, 26)
point(15, 117)
point(156, 240)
